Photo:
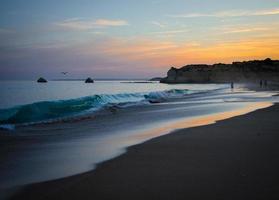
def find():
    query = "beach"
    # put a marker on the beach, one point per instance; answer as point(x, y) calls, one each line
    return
point(139, 100)
point(235, 158)
point(152, 150)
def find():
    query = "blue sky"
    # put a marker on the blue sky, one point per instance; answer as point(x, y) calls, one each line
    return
point(131, 39)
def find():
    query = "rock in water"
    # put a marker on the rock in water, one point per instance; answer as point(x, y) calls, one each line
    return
point(42, 80)
point(89, 80)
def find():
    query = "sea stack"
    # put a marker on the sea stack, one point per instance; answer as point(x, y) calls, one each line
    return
point(42, 80)
point(89, 80)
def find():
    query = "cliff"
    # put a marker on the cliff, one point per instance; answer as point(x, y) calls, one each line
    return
point(247, 71)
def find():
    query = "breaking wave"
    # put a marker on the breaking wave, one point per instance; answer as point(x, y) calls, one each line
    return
point(53, 110)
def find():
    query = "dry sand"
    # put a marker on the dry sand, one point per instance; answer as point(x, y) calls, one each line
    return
point(236, 158)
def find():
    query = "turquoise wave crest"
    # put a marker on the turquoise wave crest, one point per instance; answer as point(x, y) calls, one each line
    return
point(51, 110)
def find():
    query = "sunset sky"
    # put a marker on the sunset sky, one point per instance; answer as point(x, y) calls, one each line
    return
point(131, 39)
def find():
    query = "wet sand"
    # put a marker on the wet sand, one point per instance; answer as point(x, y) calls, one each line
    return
point(237, 158)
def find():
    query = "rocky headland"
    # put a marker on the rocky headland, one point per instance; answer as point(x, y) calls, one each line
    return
point(247, 71)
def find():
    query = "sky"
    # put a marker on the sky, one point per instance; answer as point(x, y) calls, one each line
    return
point(131, 38)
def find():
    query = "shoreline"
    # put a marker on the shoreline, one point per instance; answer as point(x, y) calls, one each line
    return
point(56, 151)
point(105, 181)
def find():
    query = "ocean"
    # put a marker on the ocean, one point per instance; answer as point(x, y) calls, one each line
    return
point(23, 102)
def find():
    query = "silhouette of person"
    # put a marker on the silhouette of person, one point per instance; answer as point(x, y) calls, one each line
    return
point(261, 83)
point(232, 85)
point(265, 83)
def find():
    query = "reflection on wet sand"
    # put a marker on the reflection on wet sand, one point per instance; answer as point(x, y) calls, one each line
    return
point(198, 121)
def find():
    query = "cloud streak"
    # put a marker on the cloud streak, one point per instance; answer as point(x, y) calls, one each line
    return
point(79, 24)
point(159, 24)
point(229, 13)
point(245, 30)
point(106, 22)
point(170, 32)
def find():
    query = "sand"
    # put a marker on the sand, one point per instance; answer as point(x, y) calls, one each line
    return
point(237, 158)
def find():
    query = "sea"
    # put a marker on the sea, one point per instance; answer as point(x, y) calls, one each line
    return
point(28, 102)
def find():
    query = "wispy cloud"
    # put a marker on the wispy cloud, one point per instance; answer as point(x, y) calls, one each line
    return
point(107, 22)
point(82, 24)
point(230, 13)
point(232, 30)
point(156, 23)
point(170, 32)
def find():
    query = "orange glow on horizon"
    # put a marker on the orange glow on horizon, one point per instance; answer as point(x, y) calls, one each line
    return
point(166, 53)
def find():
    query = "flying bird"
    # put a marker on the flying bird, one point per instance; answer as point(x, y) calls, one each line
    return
point(64, 73)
